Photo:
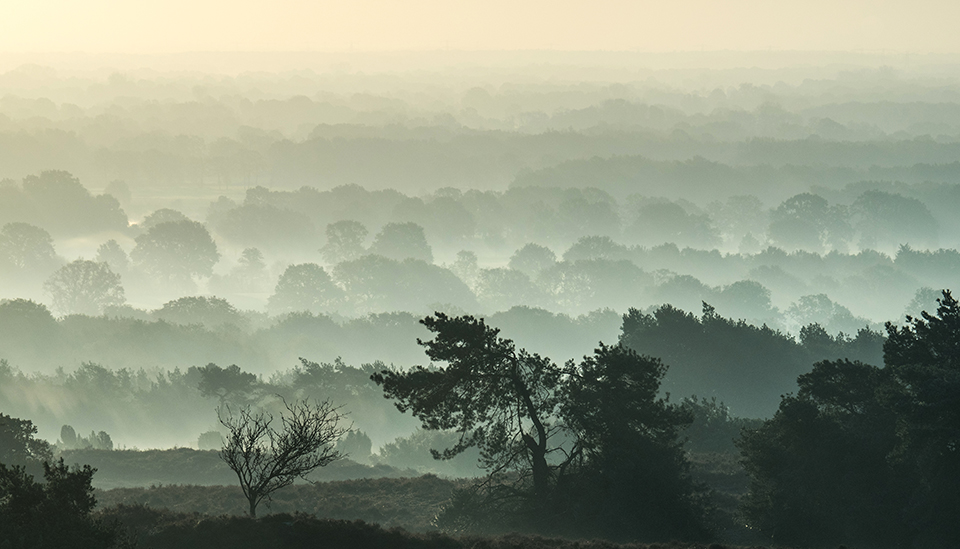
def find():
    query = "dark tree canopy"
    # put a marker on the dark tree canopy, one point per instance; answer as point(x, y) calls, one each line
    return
point(211, 311)
point(305, 287)
point(55, 513)
point(64, 207)
point(531, 259)
point(807, 221)
point(501, 289)
point(84, 287)
point(18, 442)
point(163, 215)
point(591, 447)
point(376, 283)
point(888, 220)
point(863, 454)
point(401, 241)
point(176, 251)
point(25, 248)
point(113, 255)
point(497, 397)
point(737, 362)
point(345, 240)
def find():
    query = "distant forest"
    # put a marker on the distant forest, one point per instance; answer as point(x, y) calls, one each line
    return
point(740, 275)
point(159, 223)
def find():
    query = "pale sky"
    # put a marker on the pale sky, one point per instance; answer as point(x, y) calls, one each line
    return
point(170, 26)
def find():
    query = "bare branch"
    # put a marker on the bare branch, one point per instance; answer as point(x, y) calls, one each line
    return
point(266, 459)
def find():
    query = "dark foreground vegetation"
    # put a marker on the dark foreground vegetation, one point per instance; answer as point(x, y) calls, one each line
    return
point(411, 503)
point(160, 529)
point(860, 455)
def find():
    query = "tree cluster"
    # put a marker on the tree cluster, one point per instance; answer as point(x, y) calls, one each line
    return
point(54, 513)
point(585, 448)
point(866, 454)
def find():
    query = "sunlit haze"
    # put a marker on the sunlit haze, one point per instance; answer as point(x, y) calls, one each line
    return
point(436, 271)
point(99, 26)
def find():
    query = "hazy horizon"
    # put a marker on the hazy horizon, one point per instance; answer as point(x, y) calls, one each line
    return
point(377, 25)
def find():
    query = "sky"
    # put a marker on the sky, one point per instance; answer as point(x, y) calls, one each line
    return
point(174, 26)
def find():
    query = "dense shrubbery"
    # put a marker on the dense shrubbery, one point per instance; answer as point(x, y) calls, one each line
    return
point(159, 529)
point(410, 502)
point(54, 513)
point(863, 454)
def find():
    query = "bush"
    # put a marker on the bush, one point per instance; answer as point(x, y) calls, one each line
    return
point(53, 514)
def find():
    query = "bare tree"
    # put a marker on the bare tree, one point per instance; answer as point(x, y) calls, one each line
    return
point(266, 459)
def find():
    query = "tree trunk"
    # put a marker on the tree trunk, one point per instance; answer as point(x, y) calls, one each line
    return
point(253, 506)
point(541, 471)
point(538, 446)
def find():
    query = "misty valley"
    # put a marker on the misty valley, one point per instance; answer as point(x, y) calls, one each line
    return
point(557, 305)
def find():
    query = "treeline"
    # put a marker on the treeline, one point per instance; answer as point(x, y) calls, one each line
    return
point(161, 131)
point(148, 370)
point(791, 269)
point(859, 454)
point(555, 212)
point(199, 330)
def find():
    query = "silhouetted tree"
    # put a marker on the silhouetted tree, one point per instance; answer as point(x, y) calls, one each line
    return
point(305, 287)
point(402, 240)
point(113, 255)
point(69, 440)
point(230, 384)
point(18, 442)
point(65, 207)
point(531, 259)
point(210, 440)
point(500, 289)
point(821, 309)
point(715, 356)
point(864, 454)
point(466, 267)
point(923, 356)
point(820, 469)
point(714, 428)
point(344, 241)
point(376, 283)
point(595, 247)
point(495, 396)
point(266, 459)
point(163, 215)
point(807, 221)
point(355, 445)
point(745, 299)
point(251, 271)
point(54, 514)
point(592, 449)
point(25, 249)
point(660, 221)
point(213, 312)
point(176, 251)
point(26, 326)
point(633, 480)
point(889, 220)
point(84, 287)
